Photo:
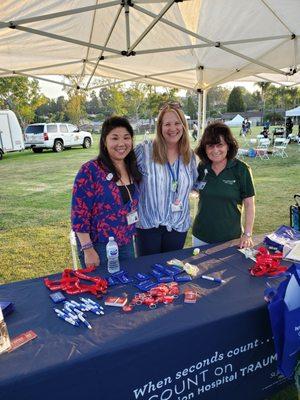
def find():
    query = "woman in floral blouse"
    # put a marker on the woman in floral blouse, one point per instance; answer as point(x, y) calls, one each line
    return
point(105, 195)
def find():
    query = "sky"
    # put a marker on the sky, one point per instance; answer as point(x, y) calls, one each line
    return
point(53, 91)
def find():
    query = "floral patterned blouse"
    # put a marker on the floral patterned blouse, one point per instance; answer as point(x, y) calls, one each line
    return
point(97, 206)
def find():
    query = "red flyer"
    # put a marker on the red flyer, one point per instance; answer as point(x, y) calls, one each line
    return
point(21, 339)
point(116, 301)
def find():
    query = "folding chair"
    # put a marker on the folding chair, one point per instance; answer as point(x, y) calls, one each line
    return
point(262, 149)
point(279, 147)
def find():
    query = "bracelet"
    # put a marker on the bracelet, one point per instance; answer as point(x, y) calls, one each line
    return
point(247, 234)
point(87, 246)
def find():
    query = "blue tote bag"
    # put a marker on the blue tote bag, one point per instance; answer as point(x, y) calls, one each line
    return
point(284, 311)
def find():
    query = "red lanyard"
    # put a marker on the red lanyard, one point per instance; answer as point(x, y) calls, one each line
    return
point(267, 264)
point(71, 283)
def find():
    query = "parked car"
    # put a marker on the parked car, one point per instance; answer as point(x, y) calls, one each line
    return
point(11, 135)
point(55, 136)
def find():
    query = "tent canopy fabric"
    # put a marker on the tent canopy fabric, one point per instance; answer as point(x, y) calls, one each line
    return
point(193, 44)
point(295, 112)
point(236, 121)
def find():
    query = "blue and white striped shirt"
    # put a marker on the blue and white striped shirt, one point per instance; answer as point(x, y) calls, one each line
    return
point(156, 196)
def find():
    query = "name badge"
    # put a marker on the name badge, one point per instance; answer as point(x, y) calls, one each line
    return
point(132, 217)
point(201, 185)
point(174, 186)
point(176, 206)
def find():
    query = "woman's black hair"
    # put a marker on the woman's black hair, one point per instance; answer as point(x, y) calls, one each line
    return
point(103, 157)
point(212, 135)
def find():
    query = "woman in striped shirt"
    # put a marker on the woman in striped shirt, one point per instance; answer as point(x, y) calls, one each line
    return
point(168, 166)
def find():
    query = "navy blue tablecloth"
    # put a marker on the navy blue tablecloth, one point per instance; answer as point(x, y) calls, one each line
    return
point(220, 347)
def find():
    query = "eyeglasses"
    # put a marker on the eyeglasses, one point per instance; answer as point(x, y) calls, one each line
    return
point(171, 104)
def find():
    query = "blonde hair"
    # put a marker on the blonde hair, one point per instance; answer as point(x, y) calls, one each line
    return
point(159, 143)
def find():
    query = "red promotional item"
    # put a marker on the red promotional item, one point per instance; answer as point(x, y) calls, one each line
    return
point(165, 294)
point(71, 282)
point(267, 264)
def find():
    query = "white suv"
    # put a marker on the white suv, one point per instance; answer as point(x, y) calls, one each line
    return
point(55, 136)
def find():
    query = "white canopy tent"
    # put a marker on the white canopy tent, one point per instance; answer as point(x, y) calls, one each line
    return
point(193, 44)
point(236, 121)
point(295, 112)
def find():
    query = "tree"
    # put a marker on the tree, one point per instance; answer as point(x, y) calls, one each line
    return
point(75, 106)
point(93, 106)
point(235, 101)
point(264, 87)
point(75, 109)
point(190, 108)
point(21, 95)
point(135, 101)
point(116, 100)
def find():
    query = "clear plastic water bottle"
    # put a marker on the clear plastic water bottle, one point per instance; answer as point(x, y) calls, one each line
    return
point(112, 254)
point(4, 336)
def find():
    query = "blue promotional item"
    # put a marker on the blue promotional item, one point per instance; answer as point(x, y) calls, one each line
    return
point(284, 310)
point(282, 236)
point(295, 214)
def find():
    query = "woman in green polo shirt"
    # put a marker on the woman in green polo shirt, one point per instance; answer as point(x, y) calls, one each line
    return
point(225, 187)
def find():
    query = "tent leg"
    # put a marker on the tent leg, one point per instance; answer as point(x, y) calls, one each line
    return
point(200, 93)
point(204, 111)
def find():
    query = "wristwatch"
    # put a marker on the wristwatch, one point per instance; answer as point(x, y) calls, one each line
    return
point(247, 234)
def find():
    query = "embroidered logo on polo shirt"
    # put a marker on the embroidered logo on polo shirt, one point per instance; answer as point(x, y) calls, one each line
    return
point(228, 181)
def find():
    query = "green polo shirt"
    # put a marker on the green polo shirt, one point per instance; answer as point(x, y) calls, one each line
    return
point(219, 212)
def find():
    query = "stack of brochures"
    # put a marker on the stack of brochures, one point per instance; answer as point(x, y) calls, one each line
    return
point(291, 252)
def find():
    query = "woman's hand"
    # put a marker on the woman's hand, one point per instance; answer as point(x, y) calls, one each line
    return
point(246, 242)
point(91, 257)
point(194, 194)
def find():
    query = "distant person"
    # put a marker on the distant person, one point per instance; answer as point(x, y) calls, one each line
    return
point(248, 125)
point(244, 127)
point(105, 196)
point(195, 131)
point(289, 126)
point(265, 132)
point(267, 125)
point(225, 189)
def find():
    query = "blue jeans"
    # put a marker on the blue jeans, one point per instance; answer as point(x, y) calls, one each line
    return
point(125, 253)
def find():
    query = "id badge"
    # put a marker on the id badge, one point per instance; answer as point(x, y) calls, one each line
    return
point(132, 217)
point(201, 185)
point(176, 206)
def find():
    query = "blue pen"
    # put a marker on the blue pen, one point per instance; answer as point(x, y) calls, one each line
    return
point(211, 278)
point(90, 301)
point(65, 317)
point(80, 306)
point(68, 310)
point(94, 307)
point(83, 320)
point(95, 310)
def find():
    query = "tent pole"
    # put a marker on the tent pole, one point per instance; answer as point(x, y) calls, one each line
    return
point(204, 111)
point(200, 93)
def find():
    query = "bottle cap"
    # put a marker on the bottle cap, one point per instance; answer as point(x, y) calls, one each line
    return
point(111, 238)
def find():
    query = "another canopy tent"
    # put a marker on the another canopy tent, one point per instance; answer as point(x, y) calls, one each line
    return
point(236, 121)
point(295, 112)
point(194, 44)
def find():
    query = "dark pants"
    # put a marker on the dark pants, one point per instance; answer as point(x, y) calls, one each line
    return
point(158, 240)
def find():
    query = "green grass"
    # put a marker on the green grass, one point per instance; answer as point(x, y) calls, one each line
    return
point(35, 200)
point(35, 205)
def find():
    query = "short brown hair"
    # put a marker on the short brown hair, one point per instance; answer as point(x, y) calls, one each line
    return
point(159, 144)
point(212, 135)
